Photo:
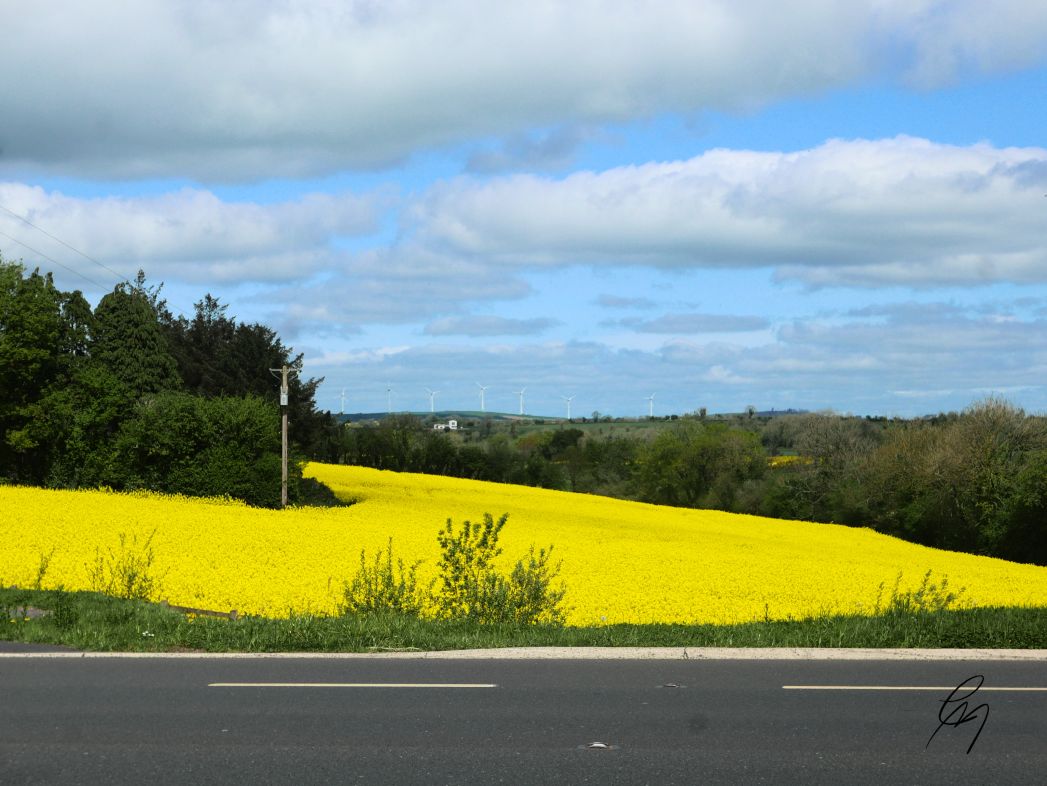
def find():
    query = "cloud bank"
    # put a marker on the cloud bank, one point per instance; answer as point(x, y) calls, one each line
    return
point(190, 234)
point(890, 363)
point(901, 211)
point(247, 89)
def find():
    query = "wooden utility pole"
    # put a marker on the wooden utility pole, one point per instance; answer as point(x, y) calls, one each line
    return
point(283, 457)
point(283, 371)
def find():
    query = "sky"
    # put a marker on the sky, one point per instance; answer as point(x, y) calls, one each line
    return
point(821, 204)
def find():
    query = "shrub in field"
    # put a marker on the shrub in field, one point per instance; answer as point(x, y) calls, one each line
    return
point(469, 585)
point(381, 587)
point(928, 597)
point(468, 582)
point(64, 612)
point(531, 596)
point(125, 572)
point(41, 569)
point(472, 588)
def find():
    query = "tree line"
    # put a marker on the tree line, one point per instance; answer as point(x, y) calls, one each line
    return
point(128, 396)
point(974, 481)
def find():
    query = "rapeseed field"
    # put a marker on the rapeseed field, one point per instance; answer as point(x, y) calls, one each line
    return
point(622, 561)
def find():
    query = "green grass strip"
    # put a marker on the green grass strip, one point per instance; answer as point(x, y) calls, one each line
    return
point(92, 622)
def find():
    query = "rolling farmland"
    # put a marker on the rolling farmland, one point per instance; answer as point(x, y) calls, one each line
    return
point(622, 561)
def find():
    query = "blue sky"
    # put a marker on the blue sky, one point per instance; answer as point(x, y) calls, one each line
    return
point(831, 205)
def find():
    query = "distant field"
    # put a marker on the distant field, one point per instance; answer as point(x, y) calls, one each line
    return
point(622, 561)
point(486, 424)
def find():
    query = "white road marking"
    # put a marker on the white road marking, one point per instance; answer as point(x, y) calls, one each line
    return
point(350, 685)
point(579, 653)
point(899, 687)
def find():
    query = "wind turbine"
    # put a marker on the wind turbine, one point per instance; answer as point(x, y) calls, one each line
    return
point(343, 402)
point(388, 399)
point(483, 388)
point(520, 394)
point(568, 399)
point(650, 405)
point(432, 399)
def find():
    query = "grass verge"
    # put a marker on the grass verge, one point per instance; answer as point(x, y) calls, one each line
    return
point(95, 622)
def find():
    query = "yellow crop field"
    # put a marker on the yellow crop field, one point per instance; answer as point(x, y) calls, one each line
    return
point(622, 561)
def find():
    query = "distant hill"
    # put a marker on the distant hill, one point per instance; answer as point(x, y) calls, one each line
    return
point(440, 415)
point(461, 415)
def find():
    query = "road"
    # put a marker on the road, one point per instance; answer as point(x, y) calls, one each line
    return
point(456, 721)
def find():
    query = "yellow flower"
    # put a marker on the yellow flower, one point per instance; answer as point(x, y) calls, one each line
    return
point(622, 561)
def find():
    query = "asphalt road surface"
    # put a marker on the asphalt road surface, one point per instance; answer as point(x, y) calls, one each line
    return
point(396, 721)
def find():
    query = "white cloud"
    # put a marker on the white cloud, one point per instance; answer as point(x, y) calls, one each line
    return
point(901, 211)
point(952, 38)
point(721, 375)
point(922, 357)
point(260, 88)
point(860, 213)
point(336, 358)
point(189, 234)
point(485, 325)
point(895, 367)
point(695, 323)
point(536, 152)
point(378, 287)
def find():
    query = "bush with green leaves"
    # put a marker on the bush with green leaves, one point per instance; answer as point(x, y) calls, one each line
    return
point(469, 585)
point(126, 571)
point(380, 587)
point(64, 612)
point(184, 444)
point(41, 569)
point(531, 597)
point(928, 597)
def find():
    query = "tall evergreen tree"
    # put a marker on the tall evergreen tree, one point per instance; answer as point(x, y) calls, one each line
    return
point(41, 330)
point(129, 341)
point(217, 356)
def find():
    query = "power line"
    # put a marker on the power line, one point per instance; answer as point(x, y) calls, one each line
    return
point(56, 262)
point(123, 278)
point(67, 245)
